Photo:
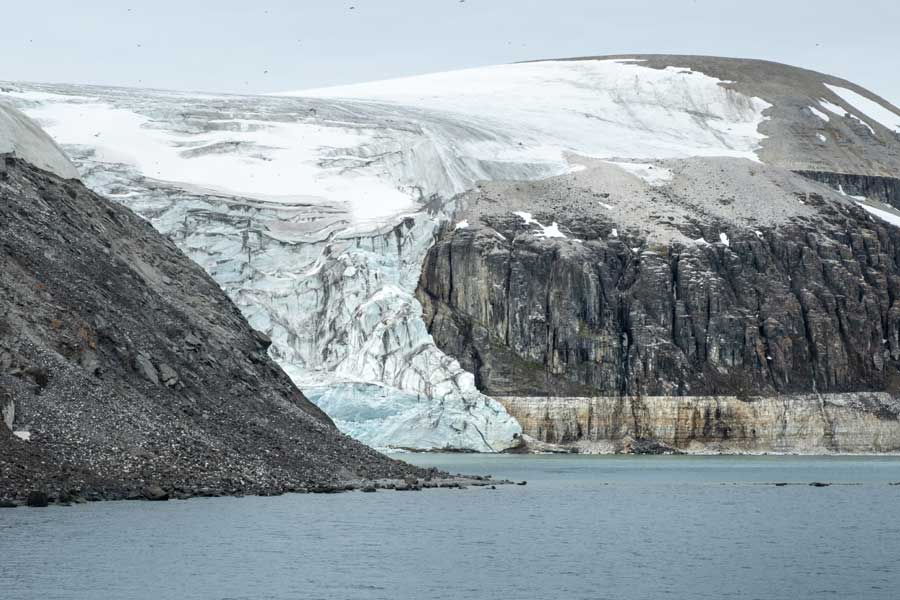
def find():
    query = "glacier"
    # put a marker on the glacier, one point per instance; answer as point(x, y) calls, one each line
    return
point(314, 209)
point(19, 136)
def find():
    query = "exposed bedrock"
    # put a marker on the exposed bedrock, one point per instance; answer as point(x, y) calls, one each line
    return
point(7, 409)
point(775, 308)
point(796, 423)
point(883, 189)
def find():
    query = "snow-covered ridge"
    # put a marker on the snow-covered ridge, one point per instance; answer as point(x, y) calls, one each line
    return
point(311, 211)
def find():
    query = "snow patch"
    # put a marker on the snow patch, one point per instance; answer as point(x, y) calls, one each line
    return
point(819, 113)
point(461, 225)
point(862, 201)
point(841, 191)
point(551, 231)
point(834, 108)
point(872, 109)
point(23, 435)
point(651, 174)
point(723, 237)
point(527, 217)
point(840, 111)
point(546, 231)
point(881, 214)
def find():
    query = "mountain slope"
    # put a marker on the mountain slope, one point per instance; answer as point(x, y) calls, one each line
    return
point(315, 213)
point(123, 365)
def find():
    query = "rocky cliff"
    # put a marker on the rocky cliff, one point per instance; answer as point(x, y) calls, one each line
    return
point(124, 367)
point(652, 292)
point(858, 423)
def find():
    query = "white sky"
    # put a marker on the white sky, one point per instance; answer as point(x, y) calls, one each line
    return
point(272, 45)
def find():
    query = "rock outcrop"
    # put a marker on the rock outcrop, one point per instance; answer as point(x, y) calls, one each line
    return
point(712, 281)
point(125, 368)
point(856, 423)
point(882, 189)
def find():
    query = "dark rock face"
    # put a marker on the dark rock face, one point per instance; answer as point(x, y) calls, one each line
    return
point(809, 306)
point(37, 499)
point(885, 189)
point(721, 306)
point(126, 364)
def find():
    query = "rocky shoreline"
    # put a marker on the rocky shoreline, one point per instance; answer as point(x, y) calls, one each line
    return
point(433, 479)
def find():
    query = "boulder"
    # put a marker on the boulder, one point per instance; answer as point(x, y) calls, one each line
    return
point(192, 342)
point(154, 493)
point(7, 409)
point(37, 499)
point(168, 375)
point(144, 366)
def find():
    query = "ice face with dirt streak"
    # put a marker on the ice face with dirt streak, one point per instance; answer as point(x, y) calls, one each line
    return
point(314, 213)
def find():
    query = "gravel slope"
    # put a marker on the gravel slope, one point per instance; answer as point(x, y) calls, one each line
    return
point(127, 367)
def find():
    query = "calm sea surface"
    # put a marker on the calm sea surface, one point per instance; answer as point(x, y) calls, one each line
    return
point(583, 527)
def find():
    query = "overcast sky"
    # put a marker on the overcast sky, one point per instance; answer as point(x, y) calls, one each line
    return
point(274, 45)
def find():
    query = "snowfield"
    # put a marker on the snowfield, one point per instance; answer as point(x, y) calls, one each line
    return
point(603, 108)
point(309, 208)
point(884, 215)
point(869, 108)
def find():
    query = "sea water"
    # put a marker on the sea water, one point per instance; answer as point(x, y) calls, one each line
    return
point(583, 527)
